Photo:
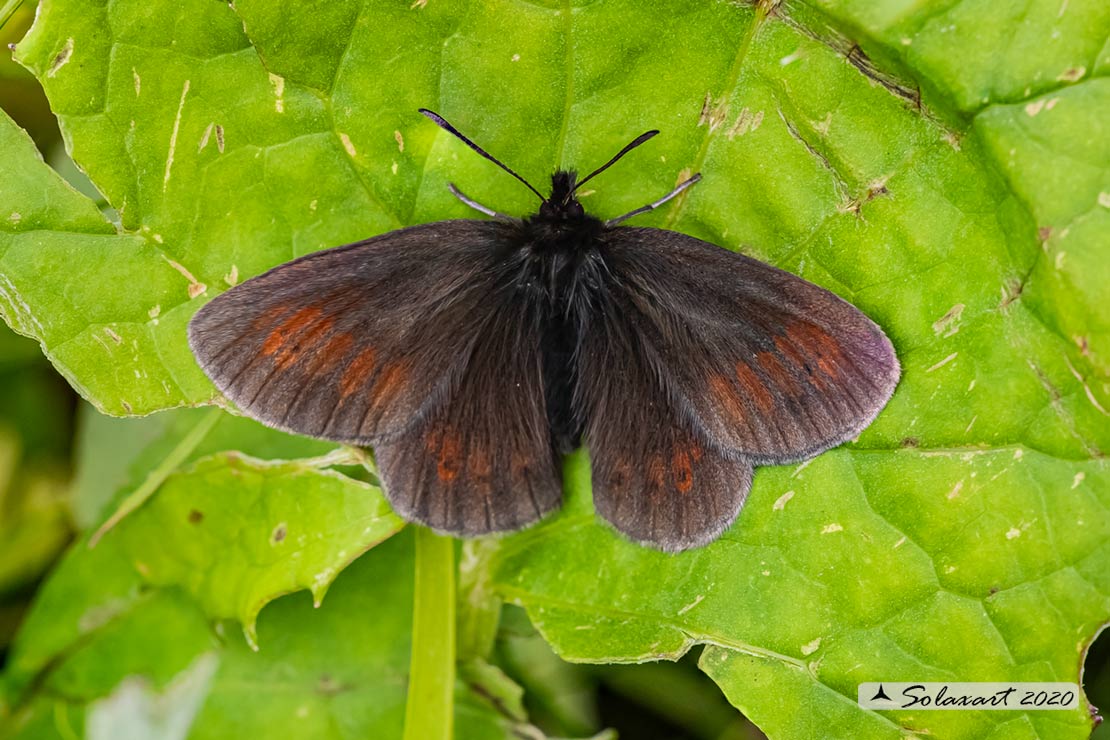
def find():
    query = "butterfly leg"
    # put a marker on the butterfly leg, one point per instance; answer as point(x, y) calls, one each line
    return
point(652, 206)
point(475, 204)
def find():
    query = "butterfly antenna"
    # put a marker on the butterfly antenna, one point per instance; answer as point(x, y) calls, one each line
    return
point(652, 206)
point(443, 124)
point(629, 147)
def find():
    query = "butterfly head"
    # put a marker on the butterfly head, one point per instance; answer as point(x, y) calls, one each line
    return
point(561, 206)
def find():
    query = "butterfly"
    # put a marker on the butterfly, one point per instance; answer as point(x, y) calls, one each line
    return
point(472, 354)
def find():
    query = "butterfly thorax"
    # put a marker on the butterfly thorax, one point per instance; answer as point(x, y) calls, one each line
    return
point(561, 243)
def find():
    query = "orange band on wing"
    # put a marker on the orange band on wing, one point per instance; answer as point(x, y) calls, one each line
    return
point(357, 373)
point(447, 468)
point(754, 386)
point(777, 373)
point(682, 471)
point(292, 352)
point(293, 325)
point(817, 343)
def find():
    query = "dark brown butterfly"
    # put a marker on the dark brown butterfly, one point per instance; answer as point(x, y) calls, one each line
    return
point(472, 354)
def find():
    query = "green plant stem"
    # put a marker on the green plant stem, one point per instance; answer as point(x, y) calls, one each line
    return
point(7, 10)
point(158, 476)
point(430, 711)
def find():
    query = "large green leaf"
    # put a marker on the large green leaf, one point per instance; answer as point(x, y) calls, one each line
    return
point(944, 166)
point(148, 665)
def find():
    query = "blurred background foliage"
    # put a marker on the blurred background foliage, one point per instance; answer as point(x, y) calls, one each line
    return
point(45, 464)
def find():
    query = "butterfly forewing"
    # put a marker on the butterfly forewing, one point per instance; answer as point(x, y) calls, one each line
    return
point(353, 344)
point(766, 364)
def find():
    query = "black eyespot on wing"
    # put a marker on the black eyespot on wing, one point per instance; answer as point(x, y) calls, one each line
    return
point(354, 343)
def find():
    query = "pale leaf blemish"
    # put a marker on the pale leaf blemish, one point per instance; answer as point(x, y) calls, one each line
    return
point(798, 470)
point(1104, 200)
point(278, 83)
point(400, 141)
point(348, 145)
point(1018, 454)
point(1072, 74)
point(1086, 388)
point(418, 4)
point(1034, 108)
point(1013, 533)
point(955, 490)
point(393, 168)
point(173, 135)
point(279, 533)
point(13, 297)
point(906, 40)
point(713, 115)
point(1059, 261)
point(205, 137)
point(232, 277)
point(220, 138)
point(195, 287)
point(516, 57)
point(943, 362)
point(157, 238)
point(899, 543)
point(154, 312)
point(831, 527)
point(746, 122)
point(780, 502)
point(1077, 480)
point(114, 337)
point(16, 217)
point(791, 58)
point(62, 58)
point(138, 81)
point(949, 569)
point(822, 127)
point(971, 385)
point(949, 323)
point(692, 604)
point(312, 205)
point(811, 647)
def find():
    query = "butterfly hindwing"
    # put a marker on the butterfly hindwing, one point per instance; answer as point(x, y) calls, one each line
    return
point(355, 343)
point(654, 477)
point(766, 364)
point(482, 461)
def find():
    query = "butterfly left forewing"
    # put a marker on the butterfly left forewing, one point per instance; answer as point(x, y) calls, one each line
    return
point(765, 364)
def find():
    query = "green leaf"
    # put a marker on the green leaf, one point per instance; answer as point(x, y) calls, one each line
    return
point(154, 664)
point(944, 167)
